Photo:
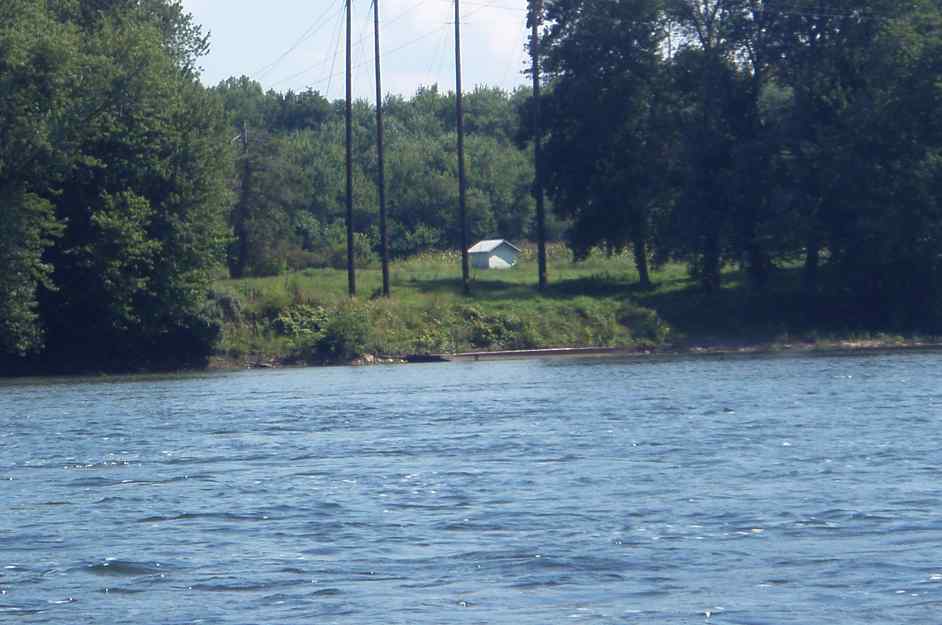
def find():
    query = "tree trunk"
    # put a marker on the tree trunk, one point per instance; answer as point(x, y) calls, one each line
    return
point(758, 268)
point(641, 261)
point(710, 272)
point(241, 259)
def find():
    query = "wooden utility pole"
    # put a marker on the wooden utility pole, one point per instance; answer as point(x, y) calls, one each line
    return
point(242, 211)
point(381, 178)
point(351, 270)
point(462, 185)
point(536, 19)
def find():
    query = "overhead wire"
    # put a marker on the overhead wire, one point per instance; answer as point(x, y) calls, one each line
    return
point(399, 48)
point(333, 60)
point(312, 30)
point(519, 58)
point(314, 66)
point(365, 60)
point(488, 5)
point(784, 8)
point(438, 58)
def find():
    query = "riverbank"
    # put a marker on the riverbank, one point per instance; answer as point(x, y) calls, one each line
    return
point(307, 318)
point(849, 346)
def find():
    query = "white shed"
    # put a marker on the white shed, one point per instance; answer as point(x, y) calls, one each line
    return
point(494, 254)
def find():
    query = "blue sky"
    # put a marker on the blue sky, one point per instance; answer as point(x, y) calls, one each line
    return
point(251, 37)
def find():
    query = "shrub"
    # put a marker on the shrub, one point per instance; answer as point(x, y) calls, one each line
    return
point(345, 335)
point(305, 326)
point(227, 303)
point(643, 323)
point(501, 330)
point(363, 255)
point(298, 259)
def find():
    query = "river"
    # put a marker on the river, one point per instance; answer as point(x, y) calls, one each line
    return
point(723, 490)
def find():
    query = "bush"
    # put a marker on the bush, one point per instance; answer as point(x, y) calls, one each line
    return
point(345, 335)
point(501, 330)
point(405, 242)
point(228, 305)
point(643, 323)
point(298, 259)
point(305, 326)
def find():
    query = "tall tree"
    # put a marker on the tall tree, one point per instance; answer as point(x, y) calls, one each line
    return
point(602, 60)
point(114, 173)
point(37, 69)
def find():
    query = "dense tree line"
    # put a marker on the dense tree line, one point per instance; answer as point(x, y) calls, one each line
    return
point(126, 186)
point(792, 137)
point(289, 177)
point(765, 133)
point(113, 185)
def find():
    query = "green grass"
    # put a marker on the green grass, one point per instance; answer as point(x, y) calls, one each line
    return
point(596, 302)
point(587, 304)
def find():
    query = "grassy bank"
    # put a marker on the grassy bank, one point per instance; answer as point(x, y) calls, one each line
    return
point(306, 317)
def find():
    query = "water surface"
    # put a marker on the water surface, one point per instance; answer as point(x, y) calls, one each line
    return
point(760, 490)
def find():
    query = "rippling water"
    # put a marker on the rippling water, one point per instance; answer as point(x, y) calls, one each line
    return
point(778, 490)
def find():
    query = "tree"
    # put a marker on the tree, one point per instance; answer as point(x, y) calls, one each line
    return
point(113, 167)
point(27, 229)
point(37, 60)
point(604, 121)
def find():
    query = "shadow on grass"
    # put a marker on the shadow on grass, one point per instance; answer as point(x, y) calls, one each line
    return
point(733, 314)
point(590, 286)
point(737, 313)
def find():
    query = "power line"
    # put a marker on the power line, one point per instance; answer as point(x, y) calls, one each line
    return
point(361, 45)
point(312, 30)
point(487, 5)
point(359, 41)
point(328, 77)
point(438, 58)
point(517, 62)
point(334, 58)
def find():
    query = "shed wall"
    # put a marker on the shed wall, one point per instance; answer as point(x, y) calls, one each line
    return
point(480, 260)
point(501, 257)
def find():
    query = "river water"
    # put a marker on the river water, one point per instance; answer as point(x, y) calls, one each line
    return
point(752, 490)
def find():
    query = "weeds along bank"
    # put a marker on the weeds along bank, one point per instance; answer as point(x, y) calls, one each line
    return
point(307, 318)
point(308, 332)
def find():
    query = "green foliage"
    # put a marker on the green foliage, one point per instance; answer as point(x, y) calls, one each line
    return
point(291, 176)
point(302, 321)
point(497, 330)
point(318, 335)
point(113, 168)
point(306, 327)
point(734, 132)
point(643, 323)
point(27, 228)
point(346, 334)
point(428, 314)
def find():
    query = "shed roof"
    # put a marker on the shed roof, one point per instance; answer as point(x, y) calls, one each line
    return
point(489, 245)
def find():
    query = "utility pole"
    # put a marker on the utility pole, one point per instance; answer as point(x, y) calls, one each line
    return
point(242, 254)
point(383, 235)
point(536, 19)
point(462, 185)
point(351, 270)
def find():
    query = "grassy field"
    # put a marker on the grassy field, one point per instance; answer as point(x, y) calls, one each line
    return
point(308, 317)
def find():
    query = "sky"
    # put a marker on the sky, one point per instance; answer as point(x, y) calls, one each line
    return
point(295, 44)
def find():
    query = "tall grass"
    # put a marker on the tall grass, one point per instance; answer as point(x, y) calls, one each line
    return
point(589, 303)
point(595, 302)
